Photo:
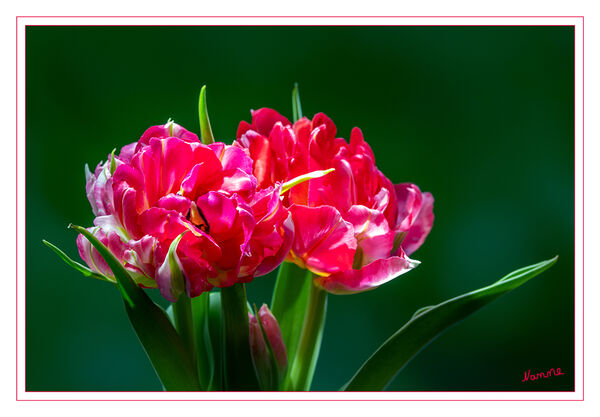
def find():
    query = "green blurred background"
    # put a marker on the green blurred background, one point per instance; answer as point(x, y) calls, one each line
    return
point(480, 116)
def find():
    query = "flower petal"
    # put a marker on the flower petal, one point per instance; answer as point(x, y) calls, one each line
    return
point(421, 227)
point(368, 277)
point(375, 239)
point(324, 242)
point(409, 202)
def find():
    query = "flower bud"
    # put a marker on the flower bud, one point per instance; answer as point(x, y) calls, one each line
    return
point(269, 356)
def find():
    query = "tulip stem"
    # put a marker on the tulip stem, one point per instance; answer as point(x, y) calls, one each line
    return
point(239, 367)
point(184, 323)
point(303, 368)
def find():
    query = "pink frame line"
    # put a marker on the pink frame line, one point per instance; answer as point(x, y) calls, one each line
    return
point(318, 17)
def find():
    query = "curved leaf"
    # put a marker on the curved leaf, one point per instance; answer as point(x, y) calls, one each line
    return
point(76, 265)
point(429, 322)
point(165, 348)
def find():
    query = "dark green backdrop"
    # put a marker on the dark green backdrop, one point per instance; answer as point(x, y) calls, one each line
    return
point(480, 116)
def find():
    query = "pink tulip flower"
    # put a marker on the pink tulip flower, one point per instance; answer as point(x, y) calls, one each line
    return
point(169, 183)
point(354, 229)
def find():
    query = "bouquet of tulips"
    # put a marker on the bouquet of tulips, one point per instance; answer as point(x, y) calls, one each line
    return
point(200, 219)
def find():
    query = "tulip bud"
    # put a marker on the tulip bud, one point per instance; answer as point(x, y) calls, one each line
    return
point(269, 356)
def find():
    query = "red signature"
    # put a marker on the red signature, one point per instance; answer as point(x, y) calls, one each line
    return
point(541, 375)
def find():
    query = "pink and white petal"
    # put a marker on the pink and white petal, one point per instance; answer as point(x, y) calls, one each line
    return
point(90, 255)
point(127, 152)
point(324, 242)
point(409, 200)
point(421, 227)
point(238, 181)
point(375, 239)
point(368, 277)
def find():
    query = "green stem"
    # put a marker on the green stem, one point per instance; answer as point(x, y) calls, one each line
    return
point(239, 368)
point(302, 370)
point(184, 323)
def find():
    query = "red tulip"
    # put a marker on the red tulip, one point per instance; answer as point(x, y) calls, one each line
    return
point(354, 229)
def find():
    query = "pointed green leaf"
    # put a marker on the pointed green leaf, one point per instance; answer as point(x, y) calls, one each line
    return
point(113, 162)
point(305, 177)
point(172, 268)
point(289, 304)
point(76, 265)
point(296, 106)
point(165, 348)
point(205, 131)
point(429, 322)
point(238, 365)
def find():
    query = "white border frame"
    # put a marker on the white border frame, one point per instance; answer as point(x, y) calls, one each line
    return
point(577, 395)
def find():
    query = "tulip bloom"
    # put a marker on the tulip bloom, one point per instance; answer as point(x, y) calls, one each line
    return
point(168, 184)
point(354, 229)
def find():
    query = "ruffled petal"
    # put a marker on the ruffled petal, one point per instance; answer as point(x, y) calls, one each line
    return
point(421, 227)
point(368, 277)
point(374, 237)
point(409, 202)
point(165, 131)
point(324, 242)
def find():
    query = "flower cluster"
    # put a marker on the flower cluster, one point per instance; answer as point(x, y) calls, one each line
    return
point(231, 220)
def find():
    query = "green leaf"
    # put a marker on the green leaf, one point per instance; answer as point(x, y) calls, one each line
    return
point(175, 271)
point(76, 265)
point(429, 322)
point(289, 304)
point(302, 369)
point(305, 177)
point(296, 106)
point(113, 162)
point(205, 131)
point(165, 348)
point(239, 368)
